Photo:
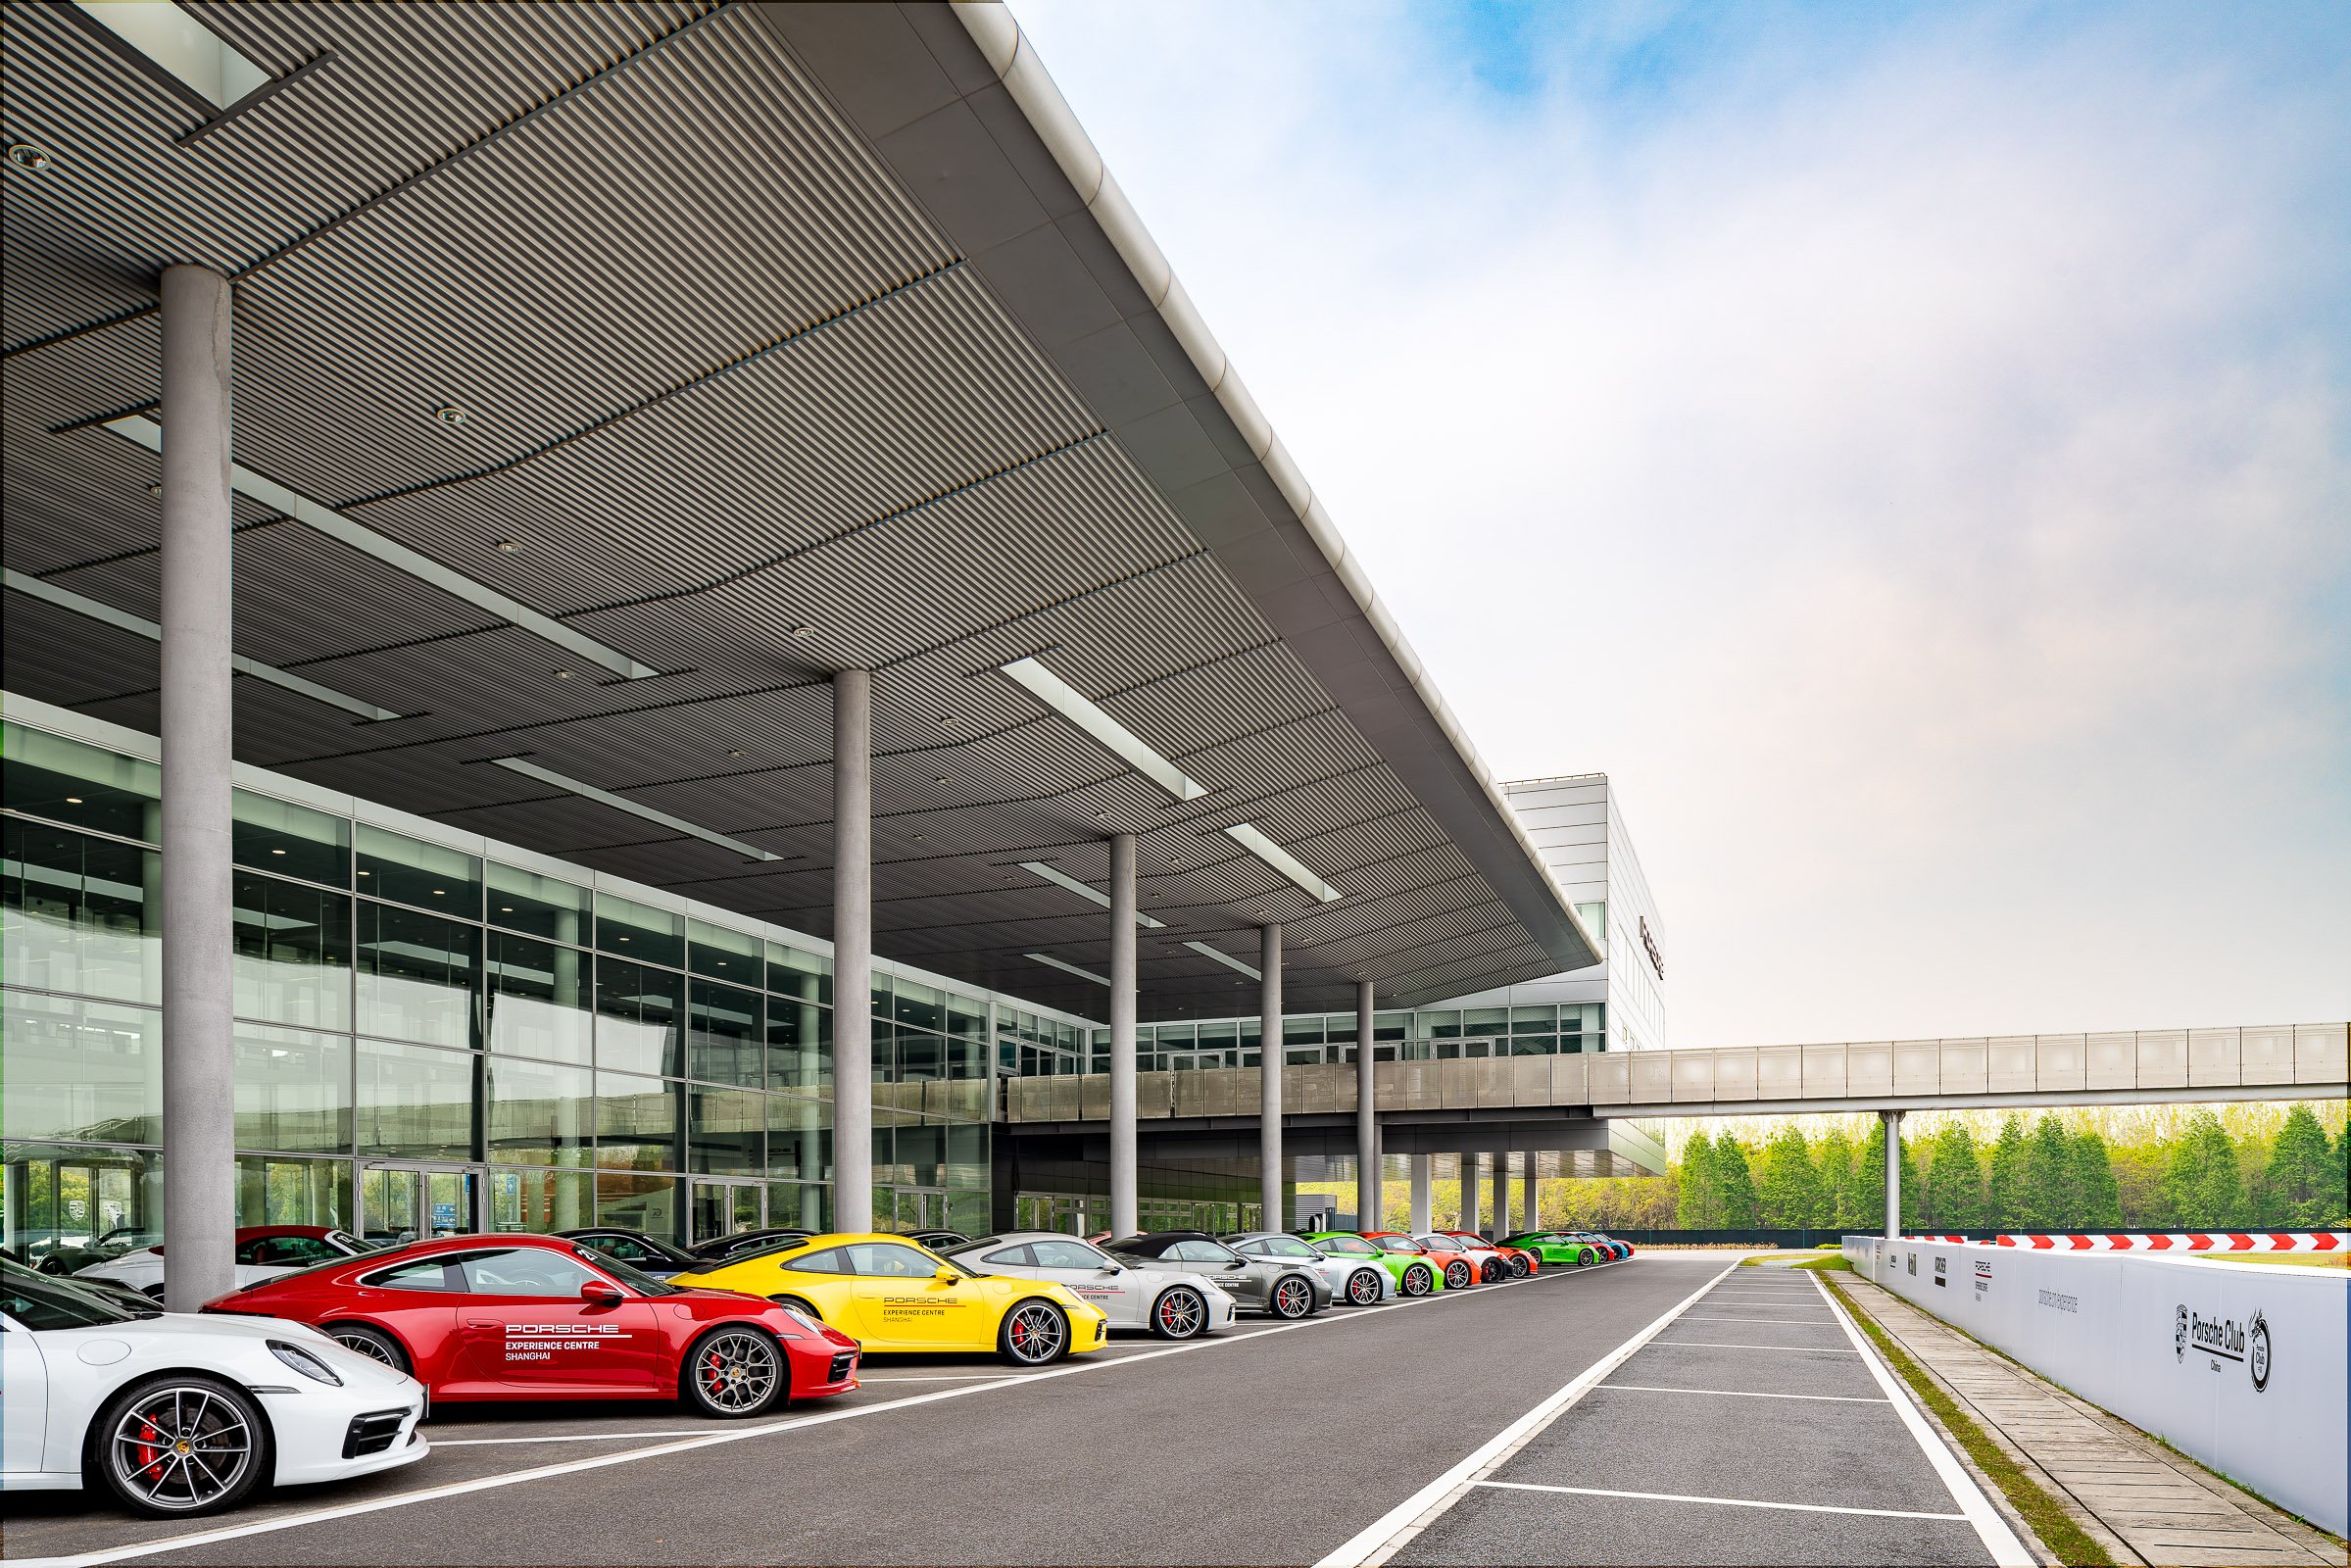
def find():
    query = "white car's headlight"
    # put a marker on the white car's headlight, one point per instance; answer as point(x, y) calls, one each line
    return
point(302, 1361)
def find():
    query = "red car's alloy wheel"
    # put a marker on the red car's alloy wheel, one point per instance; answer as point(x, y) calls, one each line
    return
point(735, 1370)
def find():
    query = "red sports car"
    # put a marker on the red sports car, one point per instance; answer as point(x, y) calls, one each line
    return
point(1517, 1261)
point(539, 1317)
point(1460, 1273)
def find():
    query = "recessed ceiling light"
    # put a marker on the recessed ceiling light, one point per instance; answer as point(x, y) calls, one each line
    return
point(436, 893)
point(1290, 865)
point(734, 753)
point(1065, 700)
point(562, 674)
point(942, 783)
point(803, 631)
point(363, 873)
point(624, 939)
point(449, 414)
point(507, 547)
point(918, 838)
point(506, 909)
point(277, 852)
point(154, 489)
point(31, 159)
point(75, 800)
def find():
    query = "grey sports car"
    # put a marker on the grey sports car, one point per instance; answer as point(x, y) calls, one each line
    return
point(1281, 1287)
point(1358, 1282)
point(1172, 1302)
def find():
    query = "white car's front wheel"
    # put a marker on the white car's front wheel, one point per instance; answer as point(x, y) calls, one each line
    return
point(1180, 1313)
point(180, 1444)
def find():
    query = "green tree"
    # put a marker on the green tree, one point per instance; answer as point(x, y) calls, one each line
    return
point(1698, 1207)
point(2342, 1176)
point(1952, 1187)
point(2097, 1196)
point(2301, 1189)
point(1834, 1160)
point(2005, 1183)
point(2047, 1198)
point(2202, 1179)
point(1788, 1192)
point(1737, 1182)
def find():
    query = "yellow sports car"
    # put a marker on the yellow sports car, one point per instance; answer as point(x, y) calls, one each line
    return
point(894, 1296)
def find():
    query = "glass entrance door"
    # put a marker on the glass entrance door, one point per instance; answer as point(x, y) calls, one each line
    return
point(722, 1208)
point(403, 1202)
point(921, 1209)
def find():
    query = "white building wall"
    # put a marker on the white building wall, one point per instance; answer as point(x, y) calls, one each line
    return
point(1577, 825)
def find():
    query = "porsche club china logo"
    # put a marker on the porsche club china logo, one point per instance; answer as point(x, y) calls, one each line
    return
point(2223, 1339)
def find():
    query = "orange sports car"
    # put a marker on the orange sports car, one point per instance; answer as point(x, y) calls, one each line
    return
point(1517, 1261)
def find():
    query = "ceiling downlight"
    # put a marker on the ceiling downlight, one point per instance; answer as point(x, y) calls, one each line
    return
point(1065, 700)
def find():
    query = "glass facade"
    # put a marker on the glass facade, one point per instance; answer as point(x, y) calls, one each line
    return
point(1429, 1034)
point(428, 1039)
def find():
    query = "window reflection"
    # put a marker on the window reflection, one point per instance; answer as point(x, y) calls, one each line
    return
point(414, 1102)
point(541, 905)
point(538, 1114)
point(416, 975)
point(724, 1043)
point(82, 913)
point(82, 1070)
point(637, 1122)
point(726, 1133)
point(293, 953)
point(288, 840)
point(636, 1019)
point(430, 876)
point(539, 1004)
point(293, 1090)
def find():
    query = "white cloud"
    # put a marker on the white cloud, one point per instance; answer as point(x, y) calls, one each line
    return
point(1916, 469)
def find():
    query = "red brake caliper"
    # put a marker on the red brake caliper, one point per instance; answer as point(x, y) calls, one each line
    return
point(713, 1373)
point(149, 1457)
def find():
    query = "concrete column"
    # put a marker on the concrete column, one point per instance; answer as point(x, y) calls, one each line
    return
point(1468, 1218)
point(853, 949)
point(1269, 1096)
point(1530, 1212)
point(1367, 1117)
point(1892, 1120)
point(200, 1195)
point(1122, 1036)
point(1423, 1168)
point(1502, 1194)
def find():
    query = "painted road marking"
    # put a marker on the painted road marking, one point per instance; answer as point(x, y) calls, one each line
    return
point(1748, 1393)
point(1718, 1503)
point(1793, 1349)
point(1990, 1528)
point(1773, 1322)
point(457, 1489)
point(1379, 1540)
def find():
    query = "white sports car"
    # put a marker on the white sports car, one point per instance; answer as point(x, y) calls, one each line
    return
point(178, 1414)
point(1173, 1303)
point(262, 1251)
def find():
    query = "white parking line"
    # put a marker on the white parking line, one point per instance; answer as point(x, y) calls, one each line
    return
point(1773, 1322)
point(1748, 1393)
point(687, 1445)
point(1793, 1349)
point(1379, 1541)
point(1719, 1502)
point(1990, 1528)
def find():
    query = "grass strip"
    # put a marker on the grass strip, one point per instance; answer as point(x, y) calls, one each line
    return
point(2041, 1511)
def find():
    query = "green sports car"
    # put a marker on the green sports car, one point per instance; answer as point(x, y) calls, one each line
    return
point(1414, 1274)
point(1555, 1248)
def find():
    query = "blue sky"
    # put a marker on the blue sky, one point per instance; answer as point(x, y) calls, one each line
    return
point(1908, 448)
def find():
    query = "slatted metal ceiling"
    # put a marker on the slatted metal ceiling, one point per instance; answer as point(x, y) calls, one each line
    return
point(728, 375)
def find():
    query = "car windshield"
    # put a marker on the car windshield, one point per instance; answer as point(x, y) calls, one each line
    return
point(46, 1301)
point(1353, 1245)
point(635, 1279)
point(1399, 1244)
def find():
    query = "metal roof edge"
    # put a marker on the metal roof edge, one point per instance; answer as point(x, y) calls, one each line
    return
point(1017, 66)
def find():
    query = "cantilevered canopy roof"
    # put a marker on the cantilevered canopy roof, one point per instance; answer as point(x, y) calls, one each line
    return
point(606, 377)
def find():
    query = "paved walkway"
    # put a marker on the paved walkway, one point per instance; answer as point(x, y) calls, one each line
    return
point(2143, 1503)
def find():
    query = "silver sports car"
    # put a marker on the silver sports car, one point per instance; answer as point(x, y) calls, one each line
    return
point(1351, 1280)
point(1171, 1301)
point(1281, 1287)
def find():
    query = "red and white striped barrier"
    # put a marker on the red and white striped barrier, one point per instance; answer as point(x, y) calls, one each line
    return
point(2173, 1242)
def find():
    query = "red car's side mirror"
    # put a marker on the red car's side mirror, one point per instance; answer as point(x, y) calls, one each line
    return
point(604, 1292)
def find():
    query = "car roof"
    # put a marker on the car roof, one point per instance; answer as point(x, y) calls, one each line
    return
point(254, 1233)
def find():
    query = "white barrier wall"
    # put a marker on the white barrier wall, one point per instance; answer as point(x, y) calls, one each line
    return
point(2239, 1365)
